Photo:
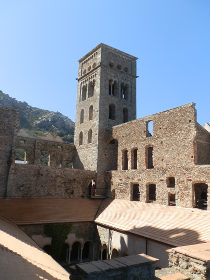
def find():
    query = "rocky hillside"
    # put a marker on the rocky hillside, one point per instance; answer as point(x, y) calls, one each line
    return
point(40, 123)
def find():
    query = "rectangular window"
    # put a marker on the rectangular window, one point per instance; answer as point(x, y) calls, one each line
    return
point(149, 158)
point(149, 129)
point(135, 192)
point(151, 193)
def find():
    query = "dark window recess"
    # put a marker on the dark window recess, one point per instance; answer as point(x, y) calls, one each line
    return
point(125, 115)
point(81, 138)
point(112, 112)
point(134, 158)
point(171, 199)
point(200, 196)
point(135, 192)
point(151, 192)
point(125, 160)
point(170, 181)
point(150, 158)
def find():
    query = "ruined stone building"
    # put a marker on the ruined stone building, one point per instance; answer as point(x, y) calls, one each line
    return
point(152, 175)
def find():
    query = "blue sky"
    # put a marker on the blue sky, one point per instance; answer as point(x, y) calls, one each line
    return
point(42, 40)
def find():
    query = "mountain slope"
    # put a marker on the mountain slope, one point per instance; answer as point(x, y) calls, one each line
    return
point(37, 122)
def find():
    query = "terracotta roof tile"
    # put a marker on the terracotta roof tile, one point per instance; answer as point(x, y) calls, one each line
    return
point(171, 225)
point(21, 258)
point(36, 211)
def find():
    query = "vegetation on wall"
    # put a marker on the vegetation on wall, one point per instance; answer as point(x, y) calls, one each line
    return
point(59, 233)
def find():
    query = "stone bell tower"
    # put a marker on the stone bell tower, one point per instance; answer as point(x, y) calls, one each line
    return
point(106, 96)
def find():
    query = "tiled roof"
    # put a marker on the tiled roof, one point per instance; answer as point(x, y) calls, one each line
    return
point(22, 259)
point(171, 225)
point(36, 211)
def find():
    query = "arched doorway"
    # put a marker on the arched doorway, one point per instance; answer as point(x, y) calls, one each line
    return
point(75, 252)
point(115, 254)
point(64, 253)
point(104, 252)
point(87, 252)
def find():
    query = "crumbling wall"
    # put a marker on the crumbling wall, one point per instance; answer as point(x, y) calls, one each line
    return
point(61, 154)
point(27, 180)
point(9, 125)
point(202, 146)
point(174, 132)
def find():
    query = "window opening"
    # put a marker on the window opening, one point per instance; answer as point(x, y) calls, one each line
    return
point(75, 252)
point(124, 91)
point(81, 138)
point(112, 112)
point(171, 199)
point(151, 193)
point(134, 158)
point(149, 128)
point(90, 136)
point(90, 112)
point(82, 116)
point(135, 192)
point(91, 88)
point(20, 156)
point(125, 160)
point(170, 181)
point(84, 92)
point(150, 158)
point(125, 115)
point(44, 158)
point(200, 195)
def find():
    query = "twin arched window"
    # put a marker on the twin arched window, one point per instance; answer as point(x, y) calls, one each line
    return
point(90, 114)
point(90, 136)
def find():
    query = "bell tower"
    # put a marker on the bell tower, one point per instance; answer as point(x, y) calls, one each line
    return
point(106, 96)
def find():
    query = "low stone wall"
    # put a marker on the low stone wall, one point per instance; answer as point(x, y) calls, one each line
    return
point(128, 268)
point(193, 260)
point(43, 181)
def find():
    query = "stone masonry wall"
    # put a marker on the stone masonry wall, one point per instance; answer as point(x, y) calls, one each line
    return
point(61, 154)
point(9, 125)
point(173, 141)
point(27, 180)
point(195, 268)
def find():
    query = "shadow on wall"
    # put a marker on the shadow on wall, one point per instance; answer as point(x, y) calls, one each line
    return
point(77, 164)
point(154, 244)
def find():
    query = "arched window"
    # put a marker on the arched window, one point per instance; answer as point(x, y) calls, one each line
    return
point(115, 254)
point(84, 92)
point(124, 91)
point(112, 112)
point(125, 115)
point(91, 88)
point(112, 88)
point(87, 252)
point(82, 116)
point(90, 112)
point(81, 138)
point(125, 160)
point(134, 158)
point(90, 136)
point(75, 252)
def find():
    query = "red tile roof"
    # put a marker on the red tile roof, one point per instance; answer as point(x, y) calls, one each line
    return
point(171, 225)
point(22, 259)
point(36, 211)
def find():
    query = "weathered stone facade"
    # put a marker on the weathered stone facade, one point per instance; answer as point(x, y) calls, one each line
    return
point(106, 96)
point(180, 151)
